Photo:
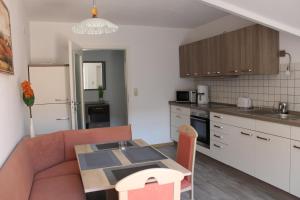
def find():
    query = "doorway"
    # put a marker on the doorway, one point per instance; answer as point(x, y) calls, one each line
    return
point(104, 69)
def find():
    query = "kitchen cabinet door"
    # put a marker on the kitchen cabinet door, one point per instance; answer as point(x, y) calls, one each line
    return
point(249, 45)
point(214, 55)
point(272, 156)
point(243, 143)
point(196, 59)
point(51, 117)
point(210, 56)
point(231, 53)
point(267, 51)
point(184, 58)
point(295, 166)
point(51, 84)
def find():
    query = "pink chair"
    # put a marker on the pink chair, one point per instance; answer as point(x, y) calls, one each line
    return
point(150, 184)
point(186, 151)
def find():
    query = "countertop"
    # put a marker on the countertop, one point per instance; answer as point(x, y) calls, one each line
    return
point(230, 109)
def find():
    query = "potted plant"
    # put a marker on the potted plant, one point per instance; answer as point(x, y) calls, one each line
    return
point(100, 93)
point(28, 98)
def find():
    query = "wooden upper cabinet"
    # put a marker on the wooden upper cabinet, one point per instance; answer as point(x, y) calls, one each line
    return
point(215, 64)
point(267, 53)
point(184, 59)
point(196, 59)
point(208, 57)
point(249, 45)
point(247, 51)
point(231, 53)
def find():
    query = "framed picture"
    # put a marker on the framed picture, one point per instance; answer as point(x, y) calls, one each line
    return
point(6, 55)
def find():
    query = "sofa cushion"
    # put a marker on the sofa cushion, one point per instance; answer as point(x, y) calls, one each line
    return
point(16, 175)
point(65, 168)
point(67, 187)
point(46, 150)
point(93, 136)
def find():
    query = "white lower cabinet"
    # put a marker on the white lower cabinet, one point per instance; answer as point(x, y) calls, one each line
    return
point(243, 142)
point(266, 151)
point(272, 160)
point(179, 116)
point(295, 168)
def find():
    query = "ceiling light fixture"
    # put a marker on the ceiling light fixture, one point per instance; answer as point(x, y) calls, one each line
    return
point(95, 25)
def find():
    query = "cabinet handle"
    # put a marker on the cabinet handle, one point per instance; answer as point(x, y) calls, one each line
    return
point(61, 100)
point(219, 117)
point(218, 146)
point(216, 126)
point(234, 71)
point(247, 70)
point(208, 73)
point(196, 74)
point(62, 119)
point(247, 134)
point(296, 147)
point(262, 138)
point(216, 72)
point(187, 74)
point(218, 136)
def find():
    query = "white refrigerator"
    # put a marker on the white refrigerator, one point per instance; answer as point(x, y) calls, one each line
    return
point(51, 111)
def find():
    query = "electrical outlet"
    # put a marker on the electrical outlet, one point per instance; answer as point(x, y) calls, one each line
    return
point(135, 92)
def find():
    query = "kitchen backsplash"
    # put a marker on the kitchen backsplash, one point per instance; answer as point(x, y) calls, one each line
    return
point(264, 90)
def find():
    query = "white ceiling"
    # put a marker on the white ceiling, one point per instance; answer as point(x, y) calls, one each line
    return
point(282, 15)
point(165, 13)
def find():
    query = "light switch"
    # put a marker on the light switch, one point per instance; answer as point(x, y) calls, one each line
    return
point(135, 92)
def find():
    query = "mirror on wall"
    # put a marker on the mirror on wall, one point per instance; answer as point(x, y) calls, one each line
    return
point(93, 75)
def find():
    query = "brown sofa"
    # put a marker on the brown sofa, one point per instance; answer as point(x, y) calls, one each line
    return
point(45, 167)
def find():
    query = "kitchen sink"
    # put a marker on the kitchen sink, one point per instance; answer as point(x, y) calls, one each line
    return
point(271, 113)
point(283, 116)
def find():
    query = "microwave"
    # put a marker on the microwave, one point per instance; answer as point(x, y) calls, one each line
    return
point(186, 96)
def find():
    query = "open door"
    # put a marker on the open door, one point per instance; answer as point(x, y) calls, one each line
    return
point(76, 86)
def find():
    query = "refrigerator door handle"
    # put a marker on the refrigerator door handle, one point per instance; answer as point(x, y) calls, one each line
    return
point(62, 118)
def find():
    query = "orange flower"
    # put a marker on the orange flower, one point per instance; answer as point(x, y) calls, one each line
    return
point(27, 90)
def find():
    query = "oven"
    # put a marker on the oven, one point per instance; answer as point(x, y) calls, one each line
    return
point(200, 122)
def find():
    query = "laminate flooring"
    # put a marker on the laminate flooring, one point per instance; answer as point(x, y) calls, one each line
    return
point(216, 181)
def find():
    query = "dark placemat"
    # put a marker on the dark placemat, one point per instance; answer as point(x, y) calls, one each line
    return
point(117, 173)
point(113, 145)
point(98, 159)
point(143, 154)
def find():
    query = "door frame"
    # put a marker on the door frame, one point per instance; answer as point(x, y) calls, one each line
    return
point(126, 72)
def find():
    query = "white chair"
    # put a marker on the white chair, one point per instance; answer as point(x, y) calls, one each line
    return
point(151, 184)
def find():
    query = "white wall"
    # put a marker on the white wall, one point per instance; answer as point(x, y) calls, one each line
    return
point(11, 105)
point(152, 66)
point(289, 42)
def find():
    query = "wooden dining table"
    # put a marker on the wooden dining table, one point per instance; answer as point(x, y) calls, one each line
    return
point(100, 176)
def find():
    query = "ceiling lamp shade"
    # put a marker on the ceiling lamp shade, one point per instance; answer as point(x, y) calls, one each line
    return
point(94, 25)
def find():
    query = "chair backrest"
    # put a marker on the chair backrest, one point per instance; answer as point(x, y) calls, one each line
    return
point(149, 184)
point(186, 149)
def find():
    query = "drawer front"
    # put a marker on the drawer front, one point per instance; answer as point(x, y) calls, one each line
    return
point(178, 120)
point(220, 132)
point(232, 120)
point(273, 128)
point(220, 152)
point(181, 110)
point(295, 133)
point(174, 133)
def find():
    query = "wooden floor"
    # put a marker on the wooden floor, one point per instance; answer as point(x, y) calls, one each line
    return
point(216, 181)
